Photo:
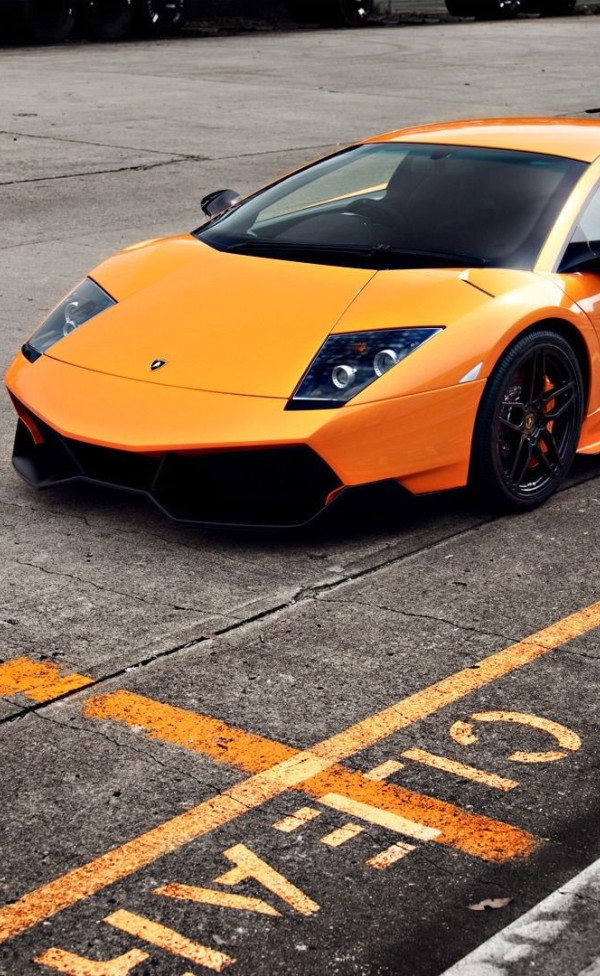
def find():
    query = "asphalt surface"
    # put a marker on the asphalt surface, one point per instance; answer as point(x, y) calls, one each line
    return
point(289, 640)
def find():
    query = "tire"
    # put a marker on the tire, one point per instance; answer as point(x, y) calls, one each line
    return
point(44, 21)
point(528, 423)
point(106, 20)
point(160, 18)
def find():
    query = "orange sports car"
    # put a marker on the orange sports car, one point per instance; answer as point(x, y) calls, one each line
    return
point(422, 309)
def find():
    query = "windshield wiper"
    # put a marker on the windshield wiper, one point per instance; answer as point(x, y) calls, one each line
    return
point(380, 251)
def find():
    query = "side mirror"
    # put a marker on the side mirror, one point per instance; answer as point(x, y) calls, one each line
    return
point(219, 201)
point(583, 256)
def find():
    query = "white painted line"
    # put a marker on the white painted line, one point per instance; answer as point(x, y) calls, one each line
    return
point(546, 929)
point(382, 818)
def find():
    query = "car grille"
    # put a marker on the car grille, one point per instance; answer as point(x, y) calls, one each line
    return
point(280, 486)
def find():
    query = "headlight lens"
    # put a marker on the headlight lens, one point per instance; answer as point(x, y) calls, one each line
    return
point(347, 363)
point(81, 305)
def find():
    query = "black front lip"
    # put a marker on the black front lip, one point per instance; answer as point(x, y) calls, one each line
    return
point(280, 487)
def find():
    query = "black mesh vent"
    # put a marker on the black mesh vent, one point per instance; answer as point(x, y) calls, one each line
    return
point(283, 486)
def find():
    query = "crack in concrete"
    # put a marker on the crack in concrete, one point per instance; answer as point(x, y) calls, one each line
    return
point(146, 754)
point(88, 142)
point(108, 589)
point(104, 172)
point(171, 161)
point(427, 616)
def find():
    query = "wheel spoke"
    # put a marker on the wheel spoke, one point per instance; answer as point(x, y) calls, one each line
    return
point(538, 374)
point(508, 423)
point(558, 412)
point(542, 457)
point(521, 461)
point(553, 394)
point(552, 450)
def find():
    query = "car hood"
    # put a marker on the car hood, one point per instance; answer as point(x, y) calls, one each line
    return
point(240, 324)
point(222, 322)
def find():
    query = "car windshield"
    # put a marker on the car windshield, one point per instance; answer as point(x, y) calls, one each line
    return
point(399, 205)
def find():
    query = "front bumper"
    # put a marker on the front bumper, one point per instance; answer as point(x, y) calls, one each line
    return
point(276, 487)
point(212, 457)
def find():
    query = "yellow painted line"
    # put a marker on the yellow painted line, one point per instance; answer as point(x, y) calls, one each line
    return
point(468, 832)
point(67, 962)
point(338, 837)
point(384, 770)
point(382, 818)
point(460, 769)
point(296, 820)
point(188, 730)
point(249, 865)
point(390, 855)
point(123, 861)
point(223, 899)
point(165, 938)
point(40, 680)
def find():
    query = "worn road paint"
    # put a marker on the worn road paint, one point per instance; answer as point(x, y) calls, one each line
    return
point(473, 834)
point(123, 861)
point(72, 965)
point(249, 865)
point(460, 769)
point(390, 855)
point(338, 837)
point(384, 770)
point(39, 680)
point(382, 818)
point(165, 938)
point(223, 899)
point(296, 820)
point(463, 733)
point(189, 730)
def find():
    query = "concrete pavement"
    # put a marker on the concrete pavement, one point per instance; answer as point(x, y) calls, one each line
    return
point(291, 639)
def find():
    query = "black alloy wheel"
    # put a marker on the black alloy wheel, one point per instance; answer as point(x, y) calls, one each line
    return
point(160, 18)
point(106, 20)
point(46, 21)
point(528, 423)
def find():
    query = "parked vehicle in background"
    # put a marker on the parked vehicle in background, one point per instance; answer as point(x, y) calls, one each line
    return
point(348, 13)
point(52, 21)
point(506, 9)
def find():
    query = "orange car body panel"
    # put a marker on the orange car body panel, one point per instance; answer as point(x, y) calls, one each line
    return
point(238, 332)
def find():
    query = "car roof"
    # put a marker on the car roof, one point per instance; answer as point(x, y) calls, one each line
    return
point(573, 138)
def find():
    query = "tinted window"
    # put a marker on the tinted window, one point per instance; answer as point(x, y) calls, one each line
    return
point(400, 205)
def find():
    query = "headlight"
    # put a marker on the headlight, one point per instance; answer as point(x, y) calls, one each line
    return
point(345, 364)
point(81, 305)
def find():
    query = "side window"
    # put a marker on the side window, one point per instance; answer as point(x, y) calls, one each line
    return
point(588, 228)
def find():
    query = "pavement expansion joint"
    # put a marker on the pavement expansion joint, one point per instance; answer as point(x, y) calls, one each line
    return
point(301, 595)
point(105, 172)
point(100, 145)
